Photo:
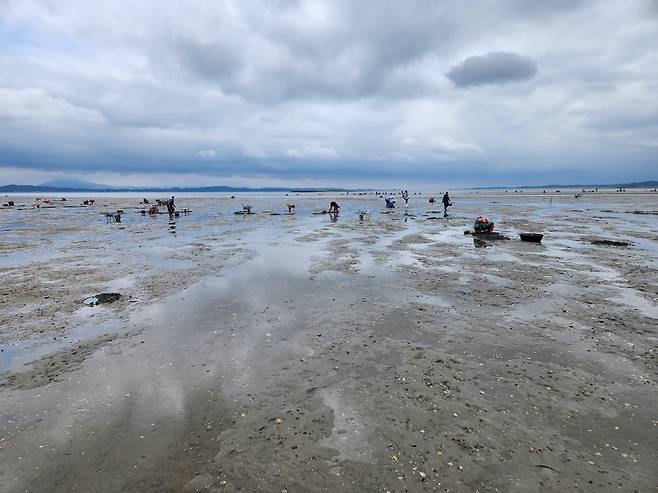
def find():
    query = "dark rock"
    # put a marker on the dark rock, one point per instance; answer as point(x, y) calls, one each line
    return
point(611, 243)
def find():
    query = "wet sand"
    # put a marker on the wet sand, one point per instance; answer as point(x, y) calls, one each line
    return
point(295, 353)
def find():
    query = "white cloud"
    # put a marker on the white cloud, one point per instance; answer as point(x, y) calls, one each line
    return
point(207, 154)
point(452, 146)
point(314, 152)
point(397, 157)
point(39, 106)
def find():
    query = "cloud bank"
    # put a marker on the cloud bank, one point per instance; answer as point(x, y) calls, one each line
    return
point(329, 92)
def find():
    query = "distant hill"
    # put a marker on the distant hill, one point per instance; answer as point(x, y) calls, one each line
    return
point(39, 189)
point(78, 184)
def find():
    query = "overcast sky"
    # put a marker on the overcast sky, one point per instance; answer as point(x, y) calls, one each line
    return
point(352, 93)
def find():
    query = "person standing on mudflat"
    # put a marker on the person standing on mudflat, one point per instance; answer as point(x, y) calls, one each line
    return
point(446, 203)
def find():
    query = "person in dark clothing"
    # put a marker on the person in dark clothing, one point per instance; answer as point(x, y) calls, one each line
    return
point(446, 203)
point(405, 196)
point(171, 206)
point(333, 208)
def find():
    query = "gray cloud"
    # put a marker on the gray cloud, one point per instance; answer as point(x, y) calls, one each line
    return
point(293, 53)
point(492, 68)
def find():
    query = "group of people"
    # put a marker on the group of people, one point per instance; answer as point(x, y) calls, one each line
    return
point(390, 203)
point(169, 203)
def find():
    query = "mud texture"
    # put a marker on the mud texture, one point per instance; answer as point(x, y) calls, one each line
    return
point(301, 352)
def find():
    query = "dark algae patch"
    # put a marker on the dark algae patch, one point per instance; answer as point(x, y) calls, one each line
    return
point(102, 299)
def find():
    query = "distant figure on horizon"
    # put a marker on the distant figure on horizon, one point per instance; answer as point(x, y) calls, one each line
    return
point(333, 208)
point(446, 203)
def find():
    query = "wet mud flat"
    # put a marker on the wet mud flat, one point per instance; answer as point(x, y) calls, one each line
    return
point(298, 353)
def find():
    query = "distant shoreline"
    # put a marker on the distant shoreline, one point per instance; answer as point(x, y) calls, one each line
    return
point(641, 184)
point(13, 188)
point(214, 189)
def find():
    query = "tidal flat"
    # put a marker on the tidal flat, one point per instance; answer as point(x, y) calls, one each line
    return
point(307, 352)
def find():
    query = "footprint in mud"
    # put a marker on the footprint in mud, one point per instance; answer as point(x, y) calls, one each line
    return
point(349, 433)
